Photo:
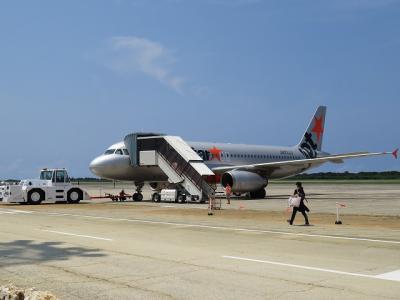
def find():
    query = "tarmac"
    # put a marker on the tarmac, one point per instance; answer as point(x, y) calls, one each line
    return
point(125, 250)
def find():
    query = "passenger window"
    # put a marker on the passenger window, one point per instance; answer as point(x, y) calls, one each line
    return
point(60, 176)
point(125, 152)
point(119, 152)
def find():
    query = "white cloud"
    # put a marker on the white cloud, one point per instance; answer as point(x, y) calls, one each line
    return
point(133, 53)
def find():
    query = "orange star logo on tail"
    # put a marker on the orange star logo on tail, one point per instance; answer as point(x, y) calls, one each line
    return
point(216, 153)
point(318, 128)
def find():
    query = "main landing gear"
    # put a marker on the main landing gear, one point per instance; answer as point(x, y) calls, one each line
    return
point(156, 197)
point(138, 196)
point(258, 194)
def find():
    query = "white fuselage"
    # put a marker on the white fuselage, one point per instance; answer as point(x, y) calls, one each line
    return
point(115, 162)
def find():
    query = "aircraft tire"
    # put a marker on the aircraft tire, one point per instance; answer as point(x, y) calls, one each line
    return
point(261, 194)
point(252, 195)
point(139, 197)
point(155, 197)
point(181, 199)
point(35, 196)
point(258, 194)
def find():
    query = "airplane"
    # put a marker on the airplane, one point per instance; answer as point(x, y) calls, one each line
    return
point(246, 168)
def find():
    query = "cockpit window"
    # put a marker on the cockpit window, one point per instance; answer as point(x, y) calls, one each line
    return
point(125, 152)
point(119, 152)
point(109, 151)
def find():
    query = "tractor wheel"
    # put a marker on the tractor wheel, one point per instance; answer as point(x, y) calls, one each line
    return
point(74, 196)
point(35, 196)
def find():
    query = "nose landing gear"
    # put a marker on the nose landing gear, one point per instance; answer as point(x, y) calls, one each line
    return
point(138, 196)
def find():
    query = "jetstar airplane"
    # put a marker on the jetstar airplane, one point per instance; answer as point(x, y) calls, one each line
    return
point(247, 168)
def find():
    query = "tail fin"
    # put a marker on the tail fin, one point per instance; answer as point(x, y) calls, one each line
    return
point(312, 138)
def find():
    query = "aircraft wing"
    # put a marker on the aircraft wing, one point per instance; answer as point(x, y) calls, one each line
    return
point(271, 166)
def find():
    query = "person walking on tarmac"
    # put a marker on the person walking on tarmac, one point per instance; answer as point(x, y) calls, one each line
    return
point(228, 192)
point(299, 192)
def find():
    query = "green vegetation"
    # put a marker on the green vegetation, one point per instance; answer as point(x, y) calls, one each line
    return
point(389, 177)
point(89, 179)
point(328, 177)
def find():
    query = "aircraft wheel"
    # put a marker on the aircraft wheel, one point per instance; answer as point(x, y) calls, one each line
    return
point(155, 197)
point(137, 197)
point(74, 196)
point(261, 193)
point(35, 196)
point(258, 194)
point(181, 199)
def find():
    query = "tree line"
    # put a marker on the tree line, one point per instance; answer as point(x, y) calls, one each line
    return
point(387, 175)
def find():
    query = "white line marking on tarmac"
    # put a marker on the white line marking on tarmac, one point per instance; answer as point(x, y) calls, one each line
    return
point(21, 211)
point(78, 235)
point(14, 211)
point(228, 228)
point(395, 275)
point(168, 206)
point(386, 276)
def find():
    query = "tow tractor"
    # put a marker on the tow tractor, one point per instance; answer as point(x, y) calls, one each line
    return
point(54, 185)
point(2, 189)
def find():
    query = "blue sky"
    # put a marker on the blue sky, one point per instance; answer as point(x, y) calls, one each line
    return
point(77, 76)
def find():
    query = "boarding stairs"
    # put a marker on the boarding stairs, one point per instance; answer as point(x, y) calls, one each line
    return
point(180, 163)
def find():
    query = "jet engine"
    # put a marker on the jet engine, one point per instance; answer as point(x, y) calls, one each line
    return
point(243, 181)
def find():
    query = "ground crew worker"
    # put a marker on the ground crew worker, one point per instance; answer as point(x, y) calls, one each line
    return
point(228, 192)
point(299, 192)
point(122, 195)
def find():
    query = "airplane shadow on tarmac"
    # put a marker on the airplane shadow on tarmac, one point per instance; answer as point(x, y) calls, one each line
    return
point(23, 252)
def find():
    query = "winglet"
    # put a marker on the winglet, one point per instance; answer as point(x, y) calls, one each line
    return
point(395, 152)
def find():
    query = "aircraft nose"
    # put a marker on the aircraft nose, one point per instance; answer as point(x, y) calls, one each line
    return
point(96, 166)
point(110, 166)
